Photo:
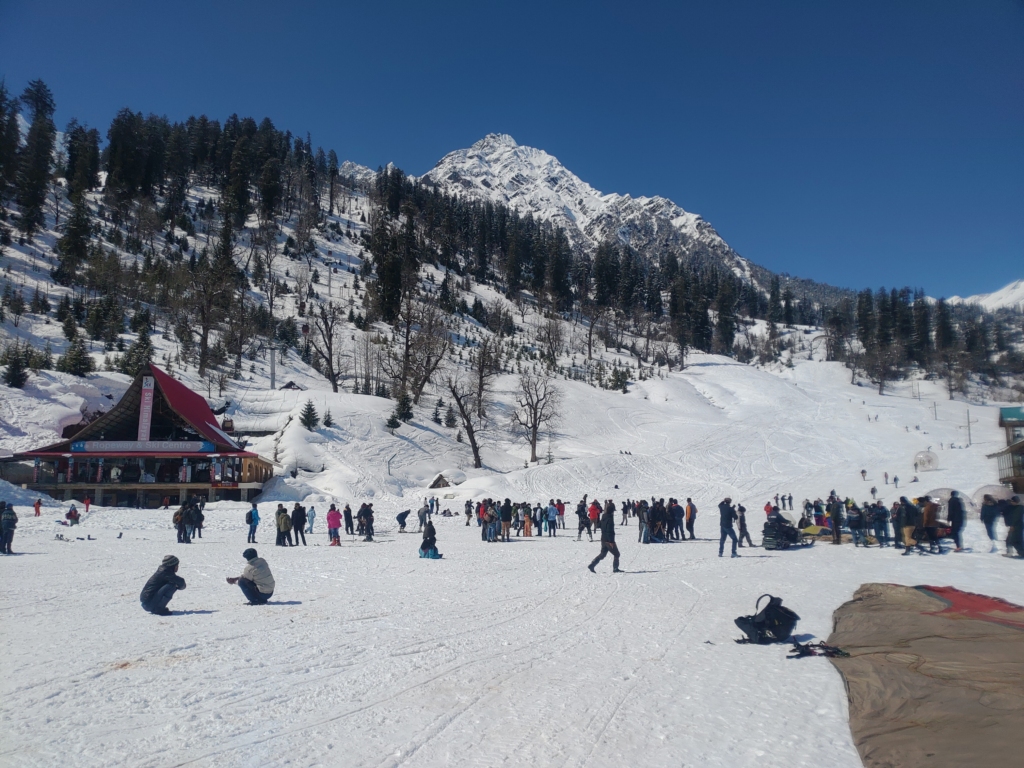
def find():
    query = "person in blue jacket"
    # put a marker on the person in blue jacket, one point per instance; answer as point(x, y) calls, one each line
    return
point(552, 518)
point(252, 517)
point(161, 587)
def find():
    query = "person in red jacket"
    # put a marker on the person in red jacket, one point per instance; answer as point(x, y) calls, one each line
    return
point(37, 506)
point(561, 513)
point(767, 508)
point(87, 502)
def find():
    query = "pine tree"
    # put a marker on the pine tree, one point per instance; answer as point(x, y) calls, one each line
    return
point(393, 423)
point(309, 417)
point(36, 157)
point(76, 360)
point(403, 409)
point(138, 356)
point(328, 419)
point(10, 138)
point(450, 418)
point(73, 247)
point(16, 375)
point(436, 415)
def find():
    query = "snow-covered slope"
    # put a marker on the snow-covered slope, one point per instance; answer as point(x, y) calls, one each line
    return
point(1008, 297)
point(530, 180)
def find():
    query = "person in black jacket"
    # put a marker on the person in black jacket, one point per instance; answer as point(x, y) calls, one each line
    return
point(955, 513)
point(607, 542)
point(299, 523)
point(161, 587)
point(506, 519)
point(744, 533)
point(347, 514)
point(728, 517)
point(429, 539)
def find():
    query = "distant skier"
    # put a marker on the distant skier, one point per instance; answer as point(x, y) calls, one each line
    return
point(401, 517)
point(863, 474)
point(607, 542)
point(727, 517)
point(256, 581)
point(161, 587)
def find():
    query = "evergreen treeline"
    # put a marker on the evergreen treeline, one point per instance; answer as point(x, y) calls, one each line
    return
point(198, 261)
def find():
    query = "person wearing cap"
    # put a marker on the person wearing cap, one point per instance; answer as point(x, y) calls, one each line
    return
point(256, 581)
point(161, 587)
point(728, 516)
point(989, 516)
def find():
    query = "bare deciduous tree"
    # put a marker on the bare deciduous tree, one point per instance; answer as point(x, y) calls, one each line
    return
point(551, 338)
point(537, 400)
point(464, 397)
point(327, 321)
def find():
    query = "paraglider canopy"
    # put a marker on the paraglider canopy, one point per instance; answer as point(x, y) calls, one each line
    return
point(926, 461)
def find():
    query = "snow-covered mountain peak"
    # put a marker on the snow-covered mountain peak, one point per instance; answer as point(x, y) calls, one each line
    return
point(529, 180)
point(492, 140)
point(1010, 296)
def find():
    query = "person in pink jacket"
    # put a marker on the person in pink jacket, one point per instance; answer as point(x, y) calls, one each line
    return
point(333, 524)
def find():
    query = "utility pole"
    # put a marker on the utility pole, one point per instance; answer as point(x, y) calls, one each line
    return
point(969, 422)
point(273, 367)
point(935, 410)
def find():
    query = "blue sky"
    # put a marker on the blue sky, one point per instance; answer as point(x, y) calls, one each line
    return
point(861, 144)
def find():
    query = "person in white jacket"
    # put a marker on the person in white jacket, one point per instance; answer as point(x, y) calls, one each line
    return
point(256, 581)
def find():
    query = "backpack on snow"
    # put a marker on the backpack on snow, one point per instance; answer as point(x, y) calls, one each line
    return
point(772, 624)
point(248, 517)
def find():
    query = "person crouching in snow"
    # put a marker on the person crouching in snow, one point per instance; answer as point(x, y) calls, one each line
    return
point(256, 581)
point(428, 548)
point(161, 587)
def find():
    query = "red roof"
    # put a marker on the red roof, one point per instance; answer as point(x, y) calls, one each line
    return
point(192, 407)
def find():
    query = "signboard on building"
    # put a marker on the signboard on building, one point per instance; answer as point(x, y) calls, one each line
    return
point(146, 408)
point(143, 446)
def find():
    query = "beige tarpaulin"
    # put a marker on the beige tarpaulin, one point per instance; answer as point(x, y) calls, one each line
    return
point(935, 676)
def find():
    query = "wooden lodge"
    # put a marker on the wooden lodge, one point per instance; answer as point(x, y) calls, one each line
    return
point(159, 444)
point(1011, 458)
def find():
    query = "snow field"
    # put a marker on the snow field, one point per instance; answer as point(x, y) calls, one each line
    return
point(367, 655)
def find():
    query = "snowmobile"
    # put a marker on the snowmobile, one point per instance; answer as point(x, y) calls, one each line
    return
point(779, 535)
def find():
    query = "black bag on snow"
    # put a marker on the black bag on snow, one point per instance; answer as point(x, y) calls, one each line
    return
point(772, 624)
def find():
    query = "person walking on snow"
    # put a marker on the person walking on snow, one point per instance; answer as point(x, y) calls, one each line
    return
point(607, 542)
point(552, 518)
point(727, 517)
point(256, 581)
point(161, 587)
point(310, 517)
point(86, 504)
point(38, 506)
point(252, 517)
point(347, 513)
point(421, 515)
